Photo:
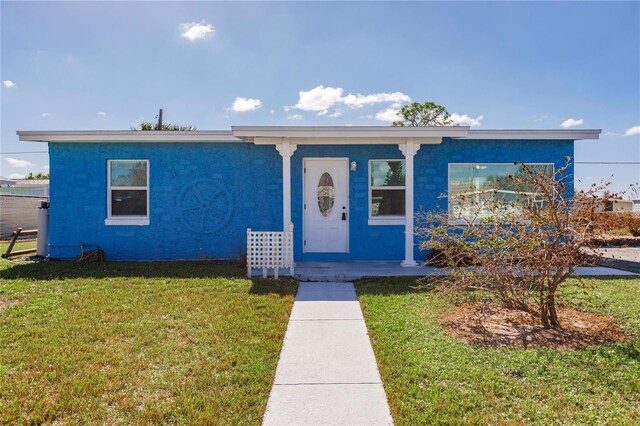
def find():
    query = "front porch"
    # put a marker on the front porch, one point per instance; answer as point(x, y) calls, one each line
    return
point(340, 157)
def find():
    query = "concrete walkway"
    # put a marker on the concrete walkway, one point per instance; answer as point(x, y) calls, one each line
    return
point(327, 373)
point(624, 258)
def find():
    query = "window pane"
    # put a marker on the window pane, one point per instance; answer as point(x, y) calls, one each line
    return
point(387, 202)
point(473, 187)
point(128, 202)
point(387, 173)
point(128, 173)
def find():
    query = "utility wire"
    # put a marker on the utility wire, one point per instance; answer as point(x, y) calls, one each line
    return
point(606, 162)
point(575, 162)
point(25, 152)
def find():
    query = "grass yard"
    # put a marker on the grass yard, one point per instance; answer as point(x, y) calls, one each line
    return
point(431, 378)
point(143, 343)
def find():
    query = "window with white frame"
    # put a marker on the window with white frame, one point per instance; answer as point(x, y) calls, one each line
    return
point(128, 192)
point(386, 190)
point(475, 188)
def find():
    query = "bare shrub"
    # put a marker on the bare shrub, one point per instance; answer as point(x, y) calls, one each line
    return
point(618, 223)
point(524, 246)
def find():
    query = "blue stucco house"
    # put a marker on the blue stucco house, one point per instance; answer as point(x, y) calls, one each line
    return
point(351, 193)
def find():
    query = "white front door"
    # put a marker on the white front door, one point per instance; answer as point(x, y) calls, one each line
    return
point(326, 207)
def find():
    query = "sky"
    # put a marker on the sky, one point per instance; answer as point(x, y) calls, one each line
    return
point(112, 65)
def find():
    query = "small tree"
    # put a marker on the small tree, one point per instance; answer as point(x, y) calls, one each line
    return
point(523, 249)
point(425, 114)
point(165, 127)
point(32, 176)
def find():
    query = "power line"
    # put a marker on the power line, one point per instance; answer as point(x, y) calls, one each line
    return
point(25, 152)
point(606, 162)
point(575, 162)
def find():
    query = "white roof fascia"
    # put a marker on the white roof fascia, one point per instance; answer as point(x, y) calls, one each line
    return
point(258, 140)
point(347, 132)
point(127, 136)
point(521, 134)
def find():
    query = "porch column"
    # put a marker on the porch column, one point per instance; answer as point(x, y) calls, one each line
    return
point(409, 150)
point(286, 150)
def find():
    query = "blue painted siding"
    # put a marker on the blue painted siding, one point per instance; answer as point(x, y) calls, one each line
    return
point(431, 164)
point(250, 174)
point(365, 242)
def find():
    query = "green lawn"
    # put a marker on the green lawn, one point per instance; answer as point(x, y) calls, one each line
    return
point(143, 343)
point(430, 378)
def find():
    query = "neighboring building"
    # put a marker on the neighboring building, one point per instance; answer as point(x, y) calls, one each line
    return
point(616, 205)
point(350, 192)
point(26, 187)
point(19, 202)
point(4, 182)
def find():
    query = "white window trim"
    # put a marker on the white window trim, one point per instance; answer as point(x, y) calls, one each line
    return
point(463, 222)
point(382, 220)
point(126, 220)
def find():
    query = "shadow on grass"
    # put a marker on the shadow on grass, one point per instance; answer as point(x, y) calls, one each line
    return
point(393, 285)
point(405, 285)
point(45, 271)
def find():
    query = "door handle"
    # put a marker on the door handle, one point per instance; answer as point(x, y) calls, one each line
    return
point(344, 215)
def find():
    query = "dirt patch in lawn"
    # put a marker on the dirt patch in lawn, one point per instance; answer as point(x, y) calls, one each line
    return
point(5, 303)
point(495, 326)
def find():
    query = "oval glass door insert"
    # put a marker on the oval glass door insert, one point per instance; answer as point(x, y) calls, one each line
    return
point(326, 194)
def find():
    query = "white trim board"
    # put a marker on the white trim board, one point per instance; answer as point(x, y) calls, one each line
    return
point(319, 135)
point(127, 136)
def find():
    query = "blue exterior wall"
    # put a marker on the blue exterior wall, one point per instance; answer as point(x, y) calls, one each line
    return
point(431, 164)
point(365, 242)
point(251, 176)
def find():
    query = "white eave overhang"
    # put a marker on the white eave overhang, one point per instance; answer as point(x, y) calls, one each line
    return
point(127, 136)
point(532, 134)
point(346, 135)
point(309, 135)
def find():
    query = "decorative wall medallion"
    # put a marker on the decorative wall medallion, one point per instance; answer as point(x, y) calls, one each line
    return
point(326, 194)
point(205, 206)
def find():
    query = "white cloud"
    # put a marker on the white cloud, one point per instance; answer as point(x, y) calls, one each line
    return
point(245, 104)
point(9, 84)
point(336, 113)
point(320, 99)
point(272, 111)
point(195, 31)
point(571, 122)
point(16, 176)
point(358, 100)
point(45, 114)
point(101, 113)
point(465, 120)
point(17, 163)
point(389, 114)
point(46, 168)
point(295, 117)
point(635, 130)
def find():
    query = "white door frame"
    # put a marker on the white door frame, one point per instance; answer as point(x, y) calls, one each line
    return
point(304, 187)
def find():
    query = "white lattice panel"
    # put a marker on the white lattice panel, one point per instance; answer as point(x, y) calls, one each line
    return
point(269, 250)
